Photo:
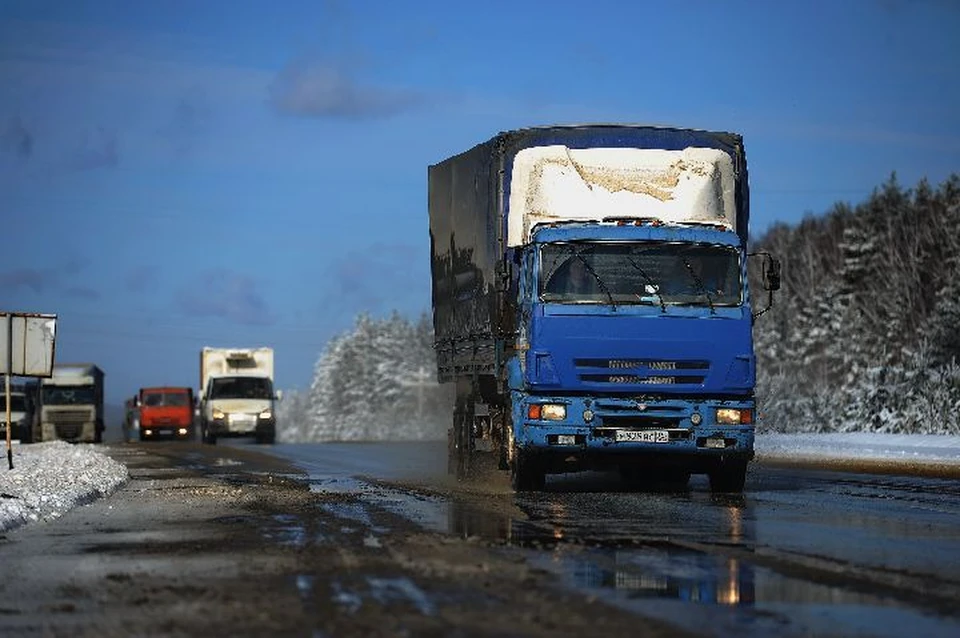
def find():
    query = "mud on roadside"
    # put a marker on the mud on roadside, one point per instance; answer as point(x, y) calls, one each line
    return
point(207, 542)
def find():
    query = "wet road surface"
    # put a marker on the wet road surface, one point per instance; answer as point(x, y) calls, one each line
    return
point(375, 539)
point(802, 552)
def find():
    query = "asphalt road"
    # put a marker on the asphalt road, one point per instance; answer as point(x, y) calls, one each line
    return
point(375, 539)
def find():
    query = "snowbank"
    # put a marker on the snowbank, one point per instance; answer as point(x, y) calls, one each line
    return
point(49, 479)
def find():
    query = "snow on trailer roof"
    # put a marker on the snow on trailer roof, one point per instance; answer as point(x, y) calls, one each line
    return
point(557, 183)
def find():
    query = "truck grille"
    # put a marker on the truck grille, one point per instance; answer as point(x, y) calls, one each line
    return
point(68, 432)
point(638, 415)
point(642, 371)
point(69, 417)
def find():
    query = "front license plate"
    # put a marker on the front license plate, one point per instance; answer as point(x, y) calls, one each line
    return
point(643, 436)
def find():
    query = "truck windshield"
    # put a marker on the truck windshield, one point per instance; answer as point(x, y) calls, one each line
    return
point(167, 399)
point(656, 273)
point(17, 404)
point(68, 395)
point(241, 388)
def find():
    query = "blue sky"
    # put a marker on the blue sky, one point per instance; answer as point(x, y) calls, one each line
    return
point(179, 174)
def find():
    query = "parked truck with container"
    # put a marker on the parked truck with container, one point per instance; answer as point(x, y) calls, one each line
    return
point(165, 413)
point(237, 397)
point(71, 404)
point(591, 303)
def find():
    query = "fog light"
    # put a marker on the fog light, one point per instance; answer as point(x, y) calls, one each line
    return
point(696, 418)
point(182, 431)
point(148, 432)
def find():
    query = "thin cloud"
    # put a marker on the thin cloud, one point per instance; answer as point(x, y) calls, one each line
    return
point(28, 278)
point(226, 295)
point(98, 150)
point(141, 279)
point(82, 292)
point(379, 278)
point(40, 280)
point(324, 90)
point(189, 122)
point(16, 139)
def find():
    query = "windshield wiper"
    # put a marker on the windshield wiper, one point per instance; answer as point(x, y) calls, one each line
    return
point(703, 289)
point(594, 274)
point(650, 282)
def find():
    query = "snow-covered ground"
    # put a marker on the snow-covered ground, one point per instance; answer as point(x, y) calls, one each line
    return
point(49, 479)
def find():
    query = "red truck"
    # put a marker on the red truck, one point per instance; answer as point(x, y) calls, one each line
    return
point(166, 413)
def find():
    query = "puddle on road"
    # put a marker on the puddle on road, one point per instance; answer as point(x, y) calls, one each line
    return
point(706, 593)
point(290, 531)
point(721, 596)
point(386, 592)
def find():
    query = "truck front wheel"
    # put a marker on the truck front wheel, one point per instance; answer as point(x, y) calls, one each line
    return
point(729, 476)
point(206, 436)
point(526, 474)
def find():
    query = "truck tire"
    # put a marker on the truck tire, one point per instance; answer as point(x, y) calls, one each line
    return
point(526, 474)
point(451, 452)
point(207, 437)
point(461, 453)
point(729, 477)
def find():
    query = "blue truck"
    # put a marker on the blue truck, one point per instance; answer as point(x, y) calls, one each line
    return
point(591, 303)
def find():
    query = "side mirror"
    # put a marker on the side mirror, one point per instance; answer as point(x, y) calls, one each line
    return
point(771, 274)
point(279, 395)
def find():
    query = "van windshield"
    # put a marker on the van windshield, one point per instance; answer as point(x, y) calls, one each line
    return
point(241, 388)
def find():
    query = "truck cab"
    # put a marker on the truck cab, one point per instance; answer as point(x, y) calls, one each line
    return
point(71, 404)
point(634, 350)
point(165, 413)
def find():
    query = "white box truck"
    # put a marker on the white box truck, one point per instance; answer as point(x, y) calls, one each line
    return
point(237, 398)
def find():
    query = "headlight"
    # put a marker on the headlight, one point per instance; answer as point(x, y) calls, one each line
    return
point(266, 414)
point(734, 416)
point(547, 411)
point(218, 414)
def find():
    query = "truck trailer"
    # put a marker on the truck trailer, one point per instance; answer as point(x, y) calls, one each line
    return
point(71, 404)
point(591, 303)
point(237, 398)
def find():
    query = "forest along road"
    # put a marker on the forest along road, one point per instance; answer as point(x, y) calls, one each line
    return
point(375, 539)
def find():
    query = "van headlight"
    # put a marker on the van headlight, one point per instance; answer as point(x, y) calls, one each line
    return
point(266, 414)
point(218, 414)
